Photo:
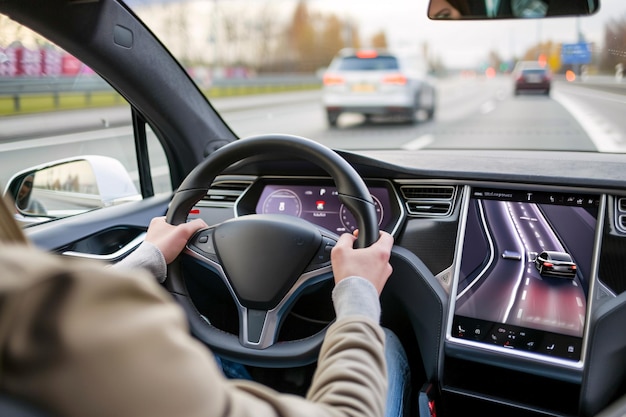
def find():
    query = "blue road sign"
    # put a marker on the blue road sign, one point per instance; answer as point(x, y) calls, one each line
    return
point(576, 53)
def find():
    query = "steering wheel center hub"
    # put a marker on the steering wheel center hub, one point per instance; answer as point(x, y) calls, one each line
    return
point(263, 256)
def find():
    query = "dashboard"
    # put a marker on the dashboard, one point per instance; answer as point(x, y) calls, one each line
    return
point(505, 301)
point(478, 302)
point(487, 322)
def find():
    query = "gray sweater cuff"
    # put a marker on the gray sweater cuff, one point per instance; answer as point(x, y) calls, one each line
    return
point(146, 256)
point(356, 296)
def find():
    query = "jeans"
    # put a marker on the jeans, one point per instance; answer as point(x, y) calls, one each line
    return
point(232, 370)
point(398, 373)
point(399, 376)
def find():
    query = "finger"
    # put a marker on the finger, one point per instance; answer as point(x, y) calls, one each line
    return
point(345, 239)
point(193, 226)
point(385, 239)
point(155, 220)
point(198, 224)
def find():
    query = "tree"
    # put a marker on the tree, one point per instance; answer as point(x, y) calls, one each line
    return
point(614, 44)
point(379, 40)
point(177, 30)
point(314, 38)
point(14, 32)
point(495, 61)
point(267, 36)
point(354, 40)
point(331, 39)
point(301, 33)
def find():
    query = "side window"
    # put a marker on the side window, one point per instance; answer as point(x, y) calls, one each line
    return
point(66, 136)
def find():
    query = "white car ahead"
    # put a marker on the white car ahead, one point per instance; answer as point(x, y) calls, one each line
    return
point(378, 83)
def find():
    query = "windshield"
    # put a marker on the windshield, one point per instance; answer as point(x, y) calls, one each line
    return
point(466, 96)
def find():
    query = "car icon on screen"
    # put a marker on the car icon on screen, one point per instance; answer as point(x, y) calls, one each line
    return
point(555, 263)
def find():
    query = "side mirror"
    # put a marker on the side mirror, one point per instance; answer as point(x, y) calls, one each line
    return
point(71, 186)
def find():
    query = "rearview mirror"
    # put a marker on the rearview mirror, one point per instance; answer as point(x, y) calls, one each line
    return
point(509, 9)
point(67, 187)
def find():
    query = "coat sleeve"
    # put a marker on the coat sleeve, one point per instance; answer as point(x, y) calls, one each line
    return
point(80, 339)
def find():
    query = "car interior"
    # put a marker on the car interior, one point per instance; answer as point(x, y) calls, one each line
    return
point(486, 331)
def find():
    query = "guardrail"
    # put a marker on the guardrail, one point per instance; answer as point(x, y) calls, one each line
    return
point(28, 94)
point(33, 94)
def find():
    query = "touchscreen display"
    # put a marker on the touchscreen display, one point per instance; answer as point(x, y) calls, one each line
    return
point(524, 273)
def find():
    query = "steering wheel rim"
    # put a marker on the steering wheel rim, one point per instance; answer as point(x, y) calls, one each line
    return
point(352, 192)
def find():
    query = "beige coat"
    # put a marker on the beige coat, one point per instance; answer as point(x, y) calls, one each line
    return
point(83, 340)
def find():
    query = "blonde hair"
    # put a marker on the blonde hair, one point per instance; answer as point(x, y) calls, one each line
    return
point(10, 231)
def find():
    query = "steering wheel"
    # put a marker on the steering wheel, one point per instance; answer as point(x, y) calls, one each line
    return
point(265, 260)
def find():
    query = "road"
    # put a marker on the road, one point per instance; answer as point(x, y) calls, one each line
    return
point(479, 112)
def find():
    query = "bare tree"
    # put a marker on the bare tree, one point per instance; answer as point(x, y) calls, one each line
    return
point(379, 40)
point(177, 30)
point(266, 36)
point(332, 40)
point(614, 44)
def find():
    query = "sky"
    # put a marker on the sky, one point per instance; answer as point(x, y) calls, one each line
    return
point(455, 43)
point(464, 41)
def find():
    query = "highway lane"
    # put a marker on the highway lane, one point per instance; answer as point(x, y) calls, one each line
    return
point(475, 113)
point(471, 113)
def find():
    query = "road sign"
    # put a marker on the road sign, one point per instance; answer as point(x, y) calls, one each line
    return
point(576, 53)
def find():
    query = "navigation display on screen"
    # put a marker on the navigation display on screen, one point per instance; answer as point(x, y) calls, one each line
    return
point(525, 270)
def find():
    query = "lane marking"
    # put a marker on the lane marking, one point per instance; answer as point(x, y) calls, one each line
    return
point(487, 107)
point(419, 143)
point(604, 135)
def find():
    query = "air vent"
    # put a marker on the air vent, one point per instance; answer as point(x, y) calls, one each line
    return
point(429, 200)
point(620, 215)
point(440, 209)
point(226, 192)
point(427, 192)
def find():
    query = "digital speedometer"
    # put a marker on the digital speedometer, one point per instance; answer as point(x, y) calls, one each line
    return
point(349, 222)
point(283, 201)
point(317, 202)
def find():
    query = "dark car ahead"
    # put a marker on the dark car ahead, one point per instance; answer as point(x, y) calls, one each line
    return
point(533, 79)
point(555, 263)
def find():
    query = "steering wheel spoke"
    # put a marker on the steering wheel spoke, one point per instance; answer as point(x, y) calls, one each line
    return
point(201, 245)
point(322, 256)
point(259, 328)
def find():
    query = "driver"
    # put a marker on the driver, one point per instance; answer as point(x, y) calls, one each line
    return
point(80, 339)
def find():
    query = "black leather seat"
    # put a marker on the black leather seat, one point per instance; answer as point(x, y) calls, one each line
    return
point(13, 407)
